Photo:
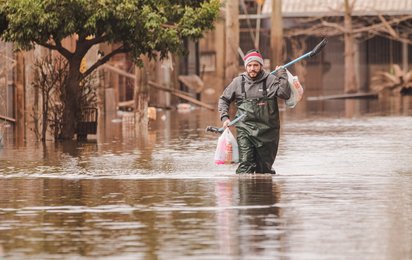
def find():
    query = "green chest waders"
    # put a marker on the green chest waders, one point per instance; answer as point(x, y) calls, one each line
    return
point(258, 133)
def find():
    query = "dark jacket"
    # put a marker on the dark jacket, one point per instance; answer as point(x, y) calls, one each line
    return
point(277, 87)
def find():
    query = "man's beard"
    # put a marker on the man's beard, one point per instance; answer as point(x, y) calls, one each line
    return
point(256, 73)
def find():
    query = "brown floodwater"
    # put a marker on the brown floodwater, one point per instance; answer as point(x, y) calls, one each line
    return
point(343, 190)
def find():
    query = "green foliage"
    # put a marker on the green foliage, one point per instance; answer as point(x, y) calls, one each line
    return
point(143, 26)
point(148, 27)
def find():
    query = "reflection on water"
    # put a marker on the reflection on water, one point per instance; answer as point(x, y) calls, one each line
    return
point(152, 217)
point(344, 190)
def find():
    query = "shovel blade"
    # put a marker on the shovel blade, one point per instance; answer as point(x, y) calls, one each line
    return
point(214, 129)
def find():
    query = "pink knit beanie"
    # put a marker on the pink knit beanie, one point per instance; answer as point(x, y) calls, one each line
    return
point(253, 55)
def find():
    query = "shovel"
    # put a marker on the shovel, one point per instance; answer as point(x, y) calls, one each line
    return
point(220, 130)
point(310, 54)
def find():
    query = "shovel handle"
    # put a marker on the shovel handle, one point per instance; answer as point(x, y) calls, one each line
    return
point(310, 54)
point(220, 130)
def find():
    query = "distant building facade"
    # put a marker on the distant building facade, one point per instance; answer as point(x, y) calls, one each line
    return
point(206, 58)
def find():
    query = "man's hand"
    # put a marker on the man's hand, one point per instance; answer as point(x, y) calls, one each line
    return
point(225, 123)
point(280, 71)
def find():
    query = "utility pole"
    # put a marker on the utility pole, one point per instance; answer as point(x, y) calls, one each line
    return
point(350, 81)
point(258, 20)
point(276, 34)
point(231, 40)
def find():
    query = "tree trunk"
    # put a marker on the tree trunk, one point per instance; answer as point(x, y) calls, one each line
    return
point(45, 113)
point(231, 40)
point(350, 83)
point(141, 98)
point(20, 98)
point(35, 109)
point(71, 99)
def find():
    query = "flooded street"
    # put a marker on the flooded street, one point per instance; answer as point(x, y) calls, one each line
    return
point(343, 190)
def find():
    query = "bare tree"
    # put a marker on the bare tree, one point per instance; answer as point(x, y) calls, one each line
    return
point(50, 79)
point(354, 29)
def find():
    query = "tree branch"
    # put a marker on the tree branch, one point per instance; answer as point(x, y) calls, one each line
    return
point(327, 28)
point(399, 39)
point(96, 40)
point(58, 47)
point(334, 25)
point(83, 44)
point(382, 25)
point(121, 49)
point(391, 31)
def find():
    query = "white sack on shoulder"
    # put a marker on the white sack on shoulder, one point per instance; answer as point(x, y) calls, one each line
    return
point(296, 90)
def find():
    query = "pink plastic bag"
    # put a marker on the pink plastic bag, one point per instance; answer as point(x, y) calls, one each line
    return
point(227, 150)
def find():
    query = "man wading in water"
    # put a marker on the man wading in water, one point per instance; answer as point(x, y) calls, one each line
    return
point(255, 93)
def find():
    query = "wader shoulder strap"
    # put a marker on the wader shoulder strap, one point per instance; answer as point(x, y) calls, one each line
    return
point(265, 92)
point(242, 85)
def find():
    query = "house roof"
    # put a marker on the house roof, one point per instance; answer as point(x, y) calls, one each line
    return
point(299, 8)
